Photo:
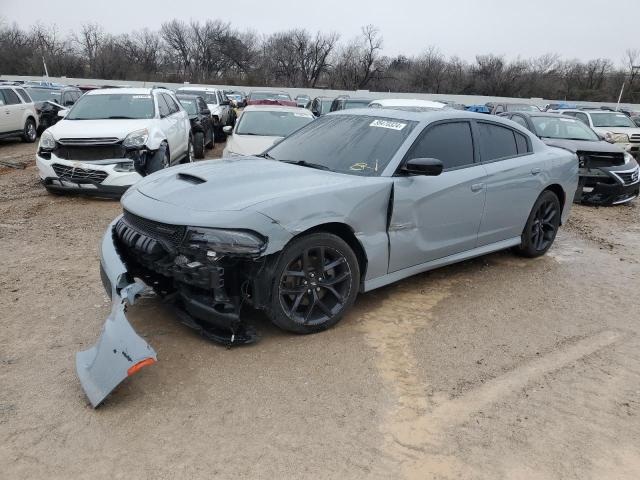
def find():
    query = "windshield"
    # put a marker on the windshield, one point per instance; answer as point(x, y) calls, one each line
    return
point(326, 104)
point(522, 108)
point(271, 124)
point(611, 119)
point(564, 128)
point(209, 97)
point(354, 144)
point(270, 96)
point(40, 95)
point(189, 105)
point(112, 106)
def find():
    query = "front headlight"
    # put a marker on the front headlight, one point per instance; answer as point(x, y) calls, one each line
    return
point(628, 158)
point(124, 167)
point(47, 142)
point(136, 139)
point(226, 242)
point(617, 137)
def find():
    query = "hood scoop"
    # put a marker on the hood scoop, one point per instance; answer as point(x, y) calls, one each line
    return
point(191, 178)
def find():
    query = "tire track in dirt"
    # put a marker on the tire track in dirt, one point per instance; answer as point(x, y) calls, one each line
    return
point(415, 428)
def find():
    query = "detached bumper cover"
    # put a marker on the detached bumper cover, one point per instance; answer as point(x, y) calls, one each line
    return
point(120, 351)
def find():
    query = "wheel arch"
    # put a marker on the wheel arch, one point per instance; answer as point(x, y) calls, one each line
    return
point(560, 193)
point(346, 233)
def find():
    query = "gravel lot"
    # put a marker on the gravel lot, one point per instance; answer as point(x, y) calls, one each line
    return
point(499, 367)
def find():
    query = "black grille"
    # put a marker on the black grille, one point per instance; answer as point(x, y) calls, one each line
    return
point(171, 234)
point(628, 177)
point(77, 174)
point(635, 138)
point(601, 159)
point(88, 153)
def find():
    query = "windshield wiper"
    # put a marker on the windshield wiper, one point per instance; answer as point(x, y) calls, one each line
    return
point(120, 117)
point(265, 155)
point(304, 163)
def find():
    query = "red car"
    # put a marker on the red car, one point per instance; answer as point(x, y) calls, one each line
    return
point(270, 98)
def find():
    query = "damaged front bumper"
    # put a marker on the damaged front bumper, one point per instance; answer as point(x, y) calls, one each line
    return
point(120, 351)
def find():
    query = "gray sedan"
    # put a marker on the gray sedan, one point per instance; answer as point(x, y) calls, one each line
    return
point(351, 202)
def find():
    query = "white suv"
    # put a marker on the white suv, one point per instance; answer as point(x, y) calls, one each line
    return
point(111, 137)
point(614, 127)
point(18, 116)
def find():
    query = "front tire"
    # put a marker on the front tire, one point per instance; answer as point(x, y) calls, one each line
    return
point(315, 283)
point(30, 132)
point(198, 145)
point(160, 160)
point(542, 226)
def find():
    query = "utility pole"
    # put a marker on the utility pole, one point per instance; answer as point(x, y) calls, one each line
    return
point(46, 72)
point(634, 68)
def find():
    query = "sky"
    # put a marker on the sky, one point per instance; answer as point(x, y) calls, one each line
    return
point(581, 29)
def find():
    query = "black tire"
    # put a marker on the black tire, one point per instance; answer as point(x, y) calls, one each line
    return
point(159, 161)
point(211, 140)
point(313, 297)
point(198, 145)
point(188, 158)
point(29, 133)
point(542, 226)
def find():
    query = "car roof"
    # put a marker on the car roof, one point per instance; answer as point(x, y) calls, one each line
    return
point(197, 89)
point(423, 116)
point(187, 96)
point(126, 91)
point(268, 91)
point(277, 108)
point(408, 102)
point(539, 114)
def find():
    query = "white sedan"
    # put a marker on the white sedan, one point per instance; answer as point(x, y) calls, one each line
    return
point(260, 126)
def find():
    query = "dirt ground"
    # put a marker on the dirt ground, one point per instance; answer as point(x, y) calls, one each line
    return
point(496, 368)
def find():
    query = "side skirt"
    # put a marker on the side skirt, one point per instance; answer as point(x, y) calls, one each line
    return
point(441, 262)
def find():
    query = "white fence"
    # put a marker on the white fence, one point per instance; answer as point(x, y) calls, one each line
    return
point(315, 92)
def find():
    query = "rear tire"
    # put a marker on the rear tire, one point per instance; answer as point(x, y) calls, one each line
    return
point(542, 226)
point(198, 145)
point(315, 283)
point(30, 132)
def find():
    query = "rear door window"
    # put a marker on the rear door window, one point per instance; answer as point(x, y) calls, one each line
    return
point(520, 121)
point(496, 142)
point(582, 117)
point(451, 143)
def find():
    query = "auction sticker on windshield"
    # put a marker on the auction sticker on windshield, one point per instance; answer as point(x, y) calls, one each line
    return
point(388, 124)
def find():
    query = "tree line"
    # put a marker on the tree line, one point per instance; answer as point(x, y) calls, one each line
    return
point(216, 52)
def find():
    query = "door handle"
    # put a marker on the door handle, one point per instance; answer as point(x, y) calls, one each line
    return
point(476, 187)
point(535, 171)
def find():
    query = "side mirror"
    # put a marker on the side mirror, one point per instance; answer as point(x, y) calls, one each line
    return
point(423, 166)
point(62, 113)
point(206, 112)
point(228, 129)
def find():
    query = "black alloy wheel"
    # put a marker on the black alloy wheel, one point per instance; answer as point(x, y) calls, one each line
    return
point(317, 281)
point(542, 225)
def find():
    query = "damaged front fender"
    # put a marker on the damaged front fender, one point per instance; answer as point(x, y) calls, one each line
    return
point(120, 351)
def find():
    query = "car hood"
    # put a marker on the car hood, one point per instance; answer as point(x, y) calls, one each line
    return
point(239, 183)
point(96, 128)
point(582, 145)
point(249, 144)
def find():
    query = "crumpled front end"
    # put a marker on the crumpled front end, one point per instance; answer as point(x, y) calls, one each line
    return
point(605, 179)
point(120, 351)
